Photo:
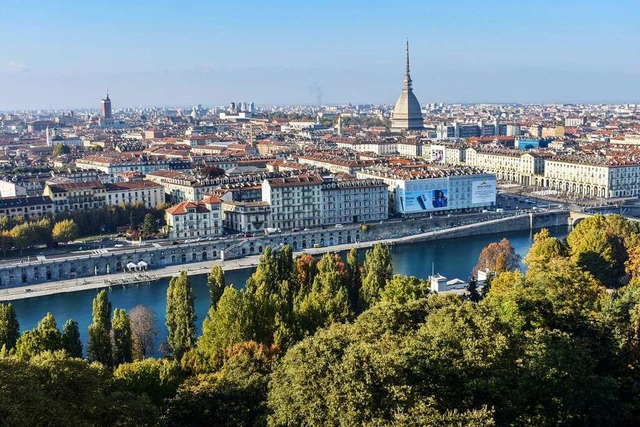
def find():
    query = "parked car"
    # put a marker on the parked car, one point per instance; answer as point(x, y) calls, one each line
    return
point(339, 226)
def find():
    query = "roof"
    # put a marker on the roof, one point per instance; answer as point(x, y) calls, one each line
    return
point(20, 201)
point(64, 187)
point(131, 185)
point(182, 208)
point(295, 181)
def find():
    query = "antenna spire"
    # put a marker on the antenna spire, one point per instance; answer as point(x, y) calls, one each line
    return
point(407, 77)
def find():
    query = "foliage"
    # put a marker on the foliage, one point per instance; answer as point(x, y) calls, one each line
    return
point(99, 346)
point(402, 289)
point(71, 342)
point(544, 249)
point(148, 225)
point(122, 340)
point(181, 316)
point(216, 284)
point(9, 326)
point(60, 149)
point(45, 337)
point(65, 231)
point(498, 257)
point(156, 378)
point(377, 270)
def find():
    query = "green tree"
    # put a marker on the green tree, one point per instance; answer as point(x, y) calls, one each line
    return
point(377, 270)
point(122, 341)
point(45, 337)
point(148, 225)
point(22, 236)
point(327, 302)
point(60, 149)
point(9, 326)
point(544, 249)
point(71, 342)
point(355, 278)
point(99, 347)
point(65, 231)
point(224, 326)
point(216, 284)
point(472, 290)
point(402, 289)
point(157, 378)
point(181, 317)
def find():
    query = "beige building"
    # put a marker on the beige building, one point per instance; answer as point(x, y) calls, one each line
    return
point(195, 219)
point(354, 201)
point(73, 196)
point(513, 166)
point(146, 192)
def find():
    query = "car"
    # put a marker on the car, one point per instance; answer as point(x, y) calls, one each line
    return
point(248, 235)
point(175, 243)
point(119, 245)
point(339, 226)
point(306, 229)
point(295, 229)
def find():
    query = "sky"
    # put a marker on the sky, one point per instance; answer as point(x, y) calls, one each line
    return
point(64, 54)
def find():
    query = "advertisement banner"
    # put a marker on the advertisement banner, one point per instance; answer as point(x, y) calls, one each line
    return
point(437, 154)
point(483, 191)
point(419, 196)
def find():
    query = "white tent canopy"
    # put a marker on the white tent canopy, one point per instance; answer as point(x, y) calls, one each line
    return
point(132, 265)
point(142, 264)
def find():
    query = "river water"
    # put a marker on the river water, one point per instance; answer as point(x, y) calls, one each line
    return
point(453, 258)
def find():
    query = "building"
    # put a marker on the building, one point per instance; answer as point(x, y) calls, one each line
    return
point(435, 190)
point(354, 201)
point(508, 165)
point(148, 193)
point(246, 217)
point(195, 219)
point(28, 207)
point(105, 108)
point(295, 201)
point(115, 163)
point(73, 196)
point(407, 114)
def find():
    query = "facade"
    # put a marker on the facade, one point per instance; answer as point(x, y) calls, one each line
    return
point(407, 114)
point(246, 217)
point(354, 201)
point(410, 148)
point(195, 219)
point(146, 192)
point(591, 177)
point(295, 201)
point(28, 207)
point(73, 196)
point(112, 166)
point(508, 165)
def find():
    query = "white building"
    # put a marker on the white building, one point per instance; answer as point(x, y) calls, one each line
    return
point(295, 201)
point(146, 192)
point(195, 219)
point(246, 217)
point(354, 201)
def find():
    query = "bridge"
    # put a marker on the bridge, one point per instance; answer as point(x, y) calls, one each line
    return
point(576, 217)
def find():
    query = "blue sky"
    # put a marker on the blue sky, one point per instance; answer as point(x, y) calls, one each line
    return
point(67, 53)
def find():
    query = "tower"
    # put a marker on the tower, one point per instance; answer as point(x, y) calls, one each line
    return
point(339, 126)
point(106, 107)
point(407, 114)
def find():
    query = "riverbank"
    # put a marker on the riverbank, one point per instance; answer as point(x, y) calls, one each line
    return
point(118, 280)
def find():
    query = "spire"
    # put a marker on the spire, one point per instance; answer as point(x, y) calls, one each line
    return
point(407, 78)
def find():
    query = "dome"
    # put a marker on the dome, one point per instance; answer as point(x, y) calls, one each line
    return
point(407, 114)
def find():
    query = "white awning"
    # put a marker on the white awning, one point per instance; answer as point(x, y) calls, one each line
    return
point(142, 264)
point(131, 265)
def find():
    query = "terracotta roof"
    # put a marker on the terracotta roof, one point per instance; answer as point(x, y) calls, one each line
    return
point(181, 208)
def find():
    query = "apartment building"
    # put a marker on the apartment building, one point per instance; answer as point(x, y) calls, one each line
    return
point(353, 201)
point(195, 218)
point(72, 196)
point(246, 217)
point(146, 192)
point(295, 201)
point(508, 165)
point(27, 207)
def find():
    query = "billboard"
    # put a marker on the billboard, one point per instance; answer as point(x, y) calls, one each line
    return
point(483, 191)
point(417, 196)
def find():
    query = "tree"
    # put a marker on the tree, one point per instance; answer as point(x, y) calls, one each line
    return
point(544, 249)
point(327, 302)
point(60, 149)
point(402, 289)
point(9, 326)
point(181, 315)
point(45, 337)
point(65, 231)
point(216, 284)
point(377, 270)
point(71, 339)
point(148, 225)
point(122, 341)
point(6, 242)
point(22, 236)
point(355, 278)
point(99, 347)
point(157, 378)
point(212, 171)
point(224, 326)
point(498, 257)
point(472, 290)
point(144, 331)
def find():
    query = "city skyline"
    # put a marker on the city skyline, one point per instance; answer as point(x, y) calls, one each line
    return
point(64, 57)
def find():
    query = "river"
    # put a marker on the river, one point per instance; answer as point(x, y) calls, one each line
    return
point(450, 257)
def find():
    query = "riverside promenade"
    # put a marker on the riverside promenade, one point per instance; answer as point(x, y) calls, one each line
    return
point(121, 279)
